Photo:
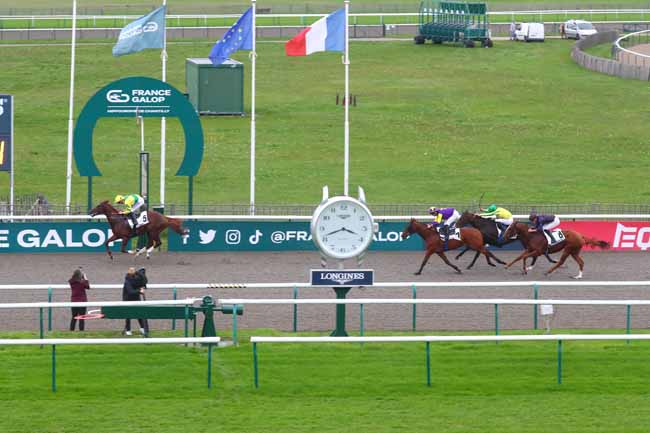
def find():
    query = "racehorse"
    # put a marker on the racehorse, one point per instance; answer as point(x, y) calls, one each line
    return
point(536, 245)
point(122, 230)
point(433, 244)
point(488, 229)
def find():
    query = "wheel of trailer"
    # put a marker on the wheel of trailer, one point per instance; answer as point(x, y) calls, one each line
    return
point(469, 43)
point(490, 44)
point(419, 40)
point(437, 41)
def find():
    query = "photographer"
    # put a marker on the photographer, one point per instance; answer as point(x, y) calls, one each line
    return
point(78, 286)
point(134, 287)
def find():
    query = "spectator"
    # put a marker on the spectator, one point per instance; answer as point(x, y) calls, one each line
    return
point(513, 29)
point(562, 31)
point(78, 286)
point(134, 288)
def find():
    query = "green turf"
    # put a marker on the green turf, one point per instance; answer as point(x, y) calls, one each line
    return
point(433, 123)
point(484, 387)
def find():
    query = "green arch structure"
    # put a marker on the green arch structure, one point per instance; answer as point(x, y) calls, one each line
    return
point(131, 97)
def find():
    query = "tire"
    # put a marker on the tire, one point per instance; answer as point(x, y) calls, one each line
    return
point(490, 44)
point(419, 40)
point(437, 41)
point(469, 43)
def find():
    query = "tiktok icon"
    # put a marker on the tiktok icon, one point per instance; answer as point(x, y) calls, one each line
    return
point(255, 239)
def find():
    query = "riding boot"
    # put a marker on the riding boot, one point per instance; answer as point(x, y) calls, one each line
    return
point(550, 236)
point(445, 232)
point(134, 220)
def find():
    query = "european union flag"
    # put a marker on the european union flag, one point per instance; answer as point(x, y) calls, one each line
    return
point(239, 37)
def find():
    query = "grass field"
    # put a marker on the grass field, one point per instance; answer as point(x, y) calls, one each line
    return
point(374, 388)
point(433, 123)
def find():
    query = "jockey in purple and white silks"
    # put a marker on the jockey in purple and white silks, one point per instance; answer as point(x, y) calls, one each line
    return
point(444, 219)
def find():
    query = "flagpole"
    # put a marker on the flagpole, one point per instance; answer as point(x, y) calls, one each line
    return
point(68, 173)
point(346, 99)
point(163, 120)
point(253, 56)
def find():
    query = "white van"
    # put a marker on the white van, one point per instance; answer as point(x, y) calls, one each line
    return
point(530, 32)
point(578, 29)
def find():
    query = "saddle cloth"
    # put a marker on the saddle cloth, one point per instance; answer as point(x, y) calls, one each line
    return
point(142, 220)
point(500, 232)
point(455, 235)
point(556, 238)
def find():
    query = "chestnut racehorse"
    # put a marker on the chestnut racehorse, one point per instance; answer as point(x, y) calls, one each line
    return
point(536, 245)
point(122, 230)
point(433, 244)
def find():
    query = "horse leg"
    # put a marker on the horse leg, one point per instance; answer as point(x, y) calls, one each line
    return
point(424, 262)
point(154, 241)
point(474, 261)
point(581, 264)
point(108, 249)
point(489, 254)
point(462, 252)
point(565, 254)
point(532, 264)
point(523, 255)
point(444, 258)
point(549, 258)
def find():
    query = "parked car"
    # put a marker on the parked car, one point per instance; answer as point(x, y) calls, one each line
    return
point(530, 32)
point(578, 29)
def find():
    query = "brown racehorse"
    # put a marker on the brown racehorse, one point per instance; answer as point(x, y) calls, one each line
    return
point(122, 230)
point(536, 245)
point(433, 244)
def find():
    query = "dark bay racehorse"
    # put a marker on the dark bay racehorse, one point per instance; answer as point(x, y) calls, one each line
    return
point(122, 230)
point(433, 244)
point(536, 246)
point(488, 229)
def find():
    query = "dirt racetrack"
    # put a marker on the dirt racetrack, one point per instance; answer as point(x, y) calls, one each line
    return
point(294, 267)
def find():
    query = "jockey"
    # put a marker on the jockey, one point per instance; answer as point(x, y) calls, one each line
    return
point(543, 223)
point(132, 203)
point(445, 218)
point(500, 215)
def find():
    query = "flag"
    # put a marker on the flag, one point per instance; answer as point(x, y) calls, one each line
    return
point(239, 37)
point(326, 34)
point(145, 32)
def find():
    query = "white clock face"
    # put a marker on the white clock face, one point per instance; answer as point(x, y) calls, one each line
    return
point(342, 228)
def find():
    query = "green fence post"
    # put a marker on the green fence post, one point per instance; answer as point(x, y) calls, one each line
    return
point(54, 368)
point(428, 363)
point(361, 320)
point(628, 320)
point(559, 362)
point(49, 309)
point(209, 365)
point(40, 323)
point(414, 291)
point(234, 325)
point(496, 320)
point(174, 298)
point(295, 310)
point(535, 296)
point(255, 372)
point(186, 319)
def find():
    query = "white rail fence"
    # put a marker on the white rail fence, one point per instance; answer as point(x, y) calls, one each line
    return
point(428, 339)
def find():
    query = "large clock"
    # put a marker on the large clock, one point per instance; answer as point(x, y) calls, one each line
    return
point(342, 227)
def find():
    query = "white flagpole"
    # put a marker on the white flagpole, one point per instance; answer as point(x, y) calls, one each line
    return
point(68, 173)
point(346, 98)
point(163, 120)
point(253, 58)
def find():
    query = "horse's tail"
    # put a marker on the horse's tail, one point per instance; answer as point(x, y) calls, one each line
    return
point(595, 242)
point(177, 225)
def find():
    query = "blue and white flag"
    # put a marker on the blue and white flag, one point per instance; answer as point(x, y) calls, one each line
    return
point(145, 32)
point(239, 37)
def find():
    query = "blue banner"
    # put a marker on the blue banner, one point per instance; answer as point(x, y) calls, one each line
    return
point(342, 277)
point(145, 32)
point(6, 132)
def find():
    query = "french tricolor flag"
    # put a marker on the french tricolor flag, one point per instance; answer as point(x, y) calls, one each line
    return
point(326, 34)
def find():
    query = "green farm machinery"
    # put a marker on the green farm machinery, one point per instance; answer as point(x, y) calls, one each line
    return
point(461, 22)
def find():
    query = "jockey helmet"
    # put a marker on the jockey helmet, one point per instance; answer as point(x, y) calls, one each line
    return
point(492, 208)
point(433, 210)
point(119, 198)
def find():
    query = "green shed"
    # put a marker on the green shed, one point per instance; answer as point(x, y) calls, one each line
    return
point(215, 90)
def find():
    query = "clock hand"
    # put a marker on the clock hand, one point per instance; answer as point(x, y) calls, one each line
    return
point(335, 231)
point(349, 231)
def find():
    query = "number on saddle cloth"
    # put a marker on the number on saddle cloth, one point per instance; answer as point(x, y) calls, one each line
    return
point(142, 219)
point(554, 237)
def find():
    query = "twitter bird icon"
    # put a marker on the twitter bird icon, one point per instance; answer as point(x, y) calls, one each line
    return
point(207, 237)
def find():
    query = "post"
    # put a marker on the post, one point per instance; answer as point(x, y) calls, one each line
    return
point(90, 193)
point(559, 362)
point(535, 307)
point(496, 320)
point(255, 372)
point(428, 363)
point(415, 295)
point(49, 309)
point(209, 366)
point(40, 321)
point(295, 310)
point(339, 331)
point(361, 320)
point(190, 195)
point(253, 57)
point(68, 174)
point(54, 368)
point(628, 320)
point(174, 298)
point(187, 316)
point(346, 105)
point(163, 120)
point(234, 325)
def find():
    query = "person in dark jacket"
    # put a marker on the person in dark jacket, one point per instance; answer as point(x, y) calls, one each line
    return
point(134, 287)
point(544, 223)
point(78, 286)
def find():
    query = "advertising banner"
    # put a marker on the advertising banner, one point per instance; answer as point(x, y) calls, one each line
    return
point(622, 236)
point(6, 132)
point(69, 237)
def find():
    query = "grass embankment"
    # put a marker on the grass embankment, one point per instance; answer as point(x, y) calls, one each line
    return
point(509, 387)
point(433, 123)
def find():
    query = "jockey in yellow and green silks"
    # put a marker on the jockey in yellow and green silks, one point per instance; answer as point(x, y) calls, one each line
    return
point(131, 202)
